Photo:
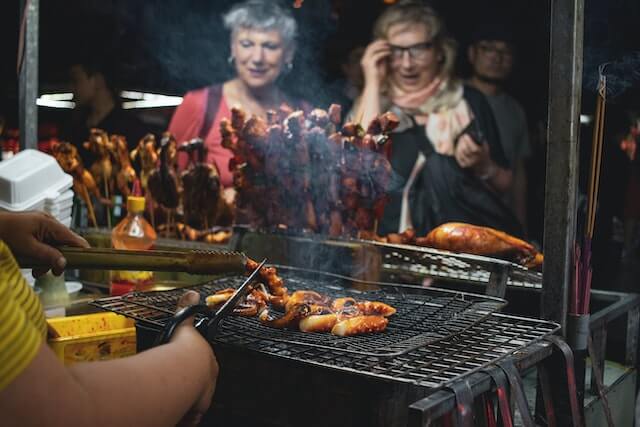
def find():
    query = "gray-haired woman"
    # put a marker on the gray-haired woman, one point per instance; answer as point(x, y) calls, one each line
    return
point(262, 48)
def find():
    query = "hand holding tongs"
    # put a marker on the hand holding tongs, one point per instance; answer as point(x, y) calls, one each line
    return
point(208, 325)
point(194, 262)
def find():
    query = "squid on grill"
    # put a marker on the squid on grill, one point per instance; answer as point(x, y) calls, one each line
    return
point(306, 310)
point(293, 316)
point(360, 325)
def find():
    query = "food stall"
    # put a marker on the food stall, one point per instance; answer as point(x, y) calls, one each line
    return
point(448, 352)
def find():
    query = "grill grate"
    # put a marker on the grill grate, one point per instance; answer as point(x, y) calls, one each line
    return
point(423, 316)
point(434, 365)
point(399, 262)
point(425, 262)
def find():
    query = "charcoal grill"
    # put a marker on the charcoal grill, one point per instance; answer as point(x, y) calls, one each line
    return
point(423, 316)
point(296, 380)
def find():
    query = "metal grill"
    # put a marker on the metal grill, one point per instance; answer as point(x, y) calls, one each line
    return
point(434, 365)
point(402, 261)
point(424, 316)
point(392, 262)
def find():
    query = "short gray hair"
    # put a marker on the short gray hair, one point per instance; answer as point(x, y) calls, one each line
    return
point(262, 15)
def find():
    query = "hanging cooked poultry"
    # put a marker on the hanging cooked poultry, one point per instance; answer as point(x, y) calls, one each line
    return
point(215, 235)
point(301, 173)
point(203, 203)
point(162, 182)
point(125, 173)
point(473, 239)
point(83, 183)
point(147, 156)
point(102, 168)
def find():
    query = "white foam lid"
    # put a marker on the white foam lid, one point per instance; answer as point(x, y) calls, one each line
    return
point(30, 177)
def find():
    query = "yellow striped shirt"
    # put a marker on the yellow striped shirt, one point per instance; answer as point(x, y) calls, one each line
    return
point(22, 324)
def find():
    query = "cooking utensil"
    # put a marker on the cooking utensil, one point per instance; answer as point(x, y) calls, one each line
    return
point(193, 262)
point(208, 324)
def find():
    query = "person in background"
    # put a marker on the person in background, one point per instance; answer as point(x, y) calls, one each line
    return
point(262, 49)
point(163, 386)
point(352, 72)
point(446, 154)
point(491, 55)
point(98, 105)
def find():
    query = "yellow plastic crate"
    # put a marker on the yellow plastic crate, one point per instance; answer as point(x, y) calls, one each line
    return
point(90, 337)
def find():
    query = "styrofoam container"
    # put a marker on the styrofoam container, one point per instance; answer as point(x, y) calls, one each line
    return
point(61, 199)
point(28, 178)
point(59, 207)
point(64, 213)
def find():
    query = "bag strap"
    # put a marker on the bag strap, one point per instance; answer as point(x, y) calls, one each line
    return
point(214, 94)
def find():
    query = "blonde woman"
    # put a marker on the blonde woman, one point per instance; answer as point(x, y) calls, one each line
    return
point(446, 153)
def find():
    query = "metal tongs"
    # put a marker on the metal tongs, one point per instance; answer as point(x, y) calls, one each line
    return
point(193, 262)
point(208, 324)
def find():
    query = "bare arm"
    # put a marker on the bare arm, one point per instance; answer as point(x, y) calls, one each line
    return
point(158, 387)
point(154, 388)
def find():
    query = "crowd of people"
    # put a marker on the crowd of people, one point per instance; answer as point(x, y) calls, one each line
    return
point(457, 155)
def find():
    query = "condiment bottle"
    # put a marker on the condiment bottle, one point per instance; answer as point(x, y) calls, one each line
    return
point(134, 233)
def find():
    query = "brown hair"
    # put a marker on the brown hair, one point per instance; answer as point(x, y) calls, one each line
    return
point(414, 12)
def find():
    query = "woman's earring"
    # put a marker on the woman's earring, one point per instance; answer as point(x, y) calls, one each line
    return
point(288, 66)
point(231, 60)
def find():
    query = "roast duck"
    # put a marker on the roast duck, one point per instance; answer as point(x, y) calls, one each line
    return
point(470, 239)
point(305, 310)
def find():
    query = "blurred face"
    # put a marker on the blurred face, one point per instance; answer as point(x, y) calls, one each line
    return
point(415, 60)
point(83, 86)
point(259, 56)
point(491, 60)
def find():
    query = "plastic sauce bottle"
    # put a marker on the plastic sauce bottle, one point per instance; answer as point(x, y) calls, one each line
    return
point(134, 233)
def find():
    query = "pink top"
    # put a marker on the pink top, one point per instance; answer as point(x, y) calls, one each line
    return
point(186, 123)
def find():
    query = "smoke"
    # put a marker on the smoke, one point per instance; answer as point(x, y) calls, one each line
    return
point(620, 74)
point(188, 47)
point(185, 53)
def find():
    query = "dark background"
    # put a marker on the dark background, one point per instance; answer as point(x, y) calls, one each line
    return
point(171, 46)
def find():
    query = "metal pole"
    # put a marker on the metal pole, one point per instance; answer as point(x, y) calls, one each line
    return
point(565, 84)
point(28, 74)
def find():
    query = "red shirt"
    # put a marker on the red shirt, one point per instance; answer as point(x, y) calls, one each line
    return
point(186, 123)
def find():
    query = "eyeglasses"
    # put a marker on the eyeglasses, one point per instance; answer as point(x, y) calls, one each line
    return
point(418, 51)
point(487, 48)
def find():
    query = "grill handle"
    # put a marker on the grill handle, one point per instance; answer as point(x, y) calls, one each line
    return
point(193, 262)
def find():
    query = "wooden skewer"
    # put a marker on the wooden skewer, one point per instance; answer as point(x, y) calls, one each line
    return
point(598, 168)
point(92, 215)
point(594, 147)
point(107, 196)
point(596, 160)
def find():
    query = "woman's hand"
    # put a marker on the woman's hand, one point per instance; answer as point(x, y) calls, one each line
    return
point(35, 235)
point(373, 62)
point(476, 157)
point(187, 332)
point(470, 154)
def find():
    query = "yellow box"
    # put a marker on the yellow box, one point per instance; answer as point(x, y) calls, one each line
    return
point(90, 337)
